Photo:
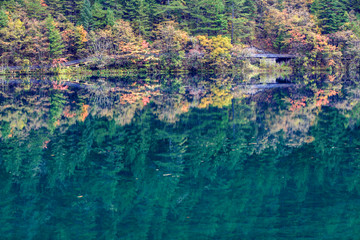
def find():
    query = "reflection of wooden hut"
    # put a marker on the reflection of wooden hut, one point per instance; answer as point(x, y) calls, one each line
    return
point(271, 59)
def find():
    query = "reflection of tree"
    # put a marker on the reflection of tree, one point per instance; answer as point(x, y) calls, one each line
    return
point(216, 173)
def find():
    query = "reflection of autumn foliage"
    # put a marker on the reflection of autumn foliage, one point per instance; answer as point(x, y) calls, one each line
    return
point(84, 112)
point(146, 100)
point(11, 133)
point(309, 139)
point(185, 107)
point(331, 77)
point(295, 105)
point(218, 97)
point(322, 98)
point(59, 86)
point(67, 114)
point(58, 61)
point(124, 102)
point(128, 98)
point(45, 143)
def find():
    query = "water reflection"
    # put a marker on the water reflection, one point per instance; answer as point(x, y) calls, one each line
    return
point(204, 161)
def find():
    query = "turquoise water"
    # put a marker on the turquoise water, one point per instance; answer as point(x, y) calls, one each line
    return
point(108, 161)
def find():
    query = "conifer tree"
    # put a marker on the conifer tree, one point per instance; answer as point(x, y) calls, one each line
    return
point(172, 10)
point(110, 18)
point(35, 9)
point(239, 20)
point(250, 8)
point(3, 18)
point(331, 15)
point(113, 5)
point(55, 41)
point(98, 14)
point(55, 6)
point(138, 11)
point(71, 9)
point(86, 18)
point(207, 17)
point(314, 9)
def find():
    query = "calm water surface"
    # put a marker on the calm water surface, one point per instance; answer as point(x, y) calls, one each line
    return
point(205, 161)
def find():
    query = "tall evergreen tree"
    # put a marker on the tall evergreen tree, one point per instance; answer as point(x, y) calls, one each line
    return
point(55, 41)
point(35, 9)
point(110, 18)
point(86, 18)
point(114, 5)
point(98, 14)
point(331, 15)
point(138, 11)
point(71, 9)
point(207, 17)
point(172, 10)
point(3, 18)
point(240, 20)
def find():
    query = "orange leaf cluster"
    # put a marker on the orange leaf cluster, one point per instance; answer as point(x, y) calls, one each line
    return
point(295, 105)
point(69, 115)
point(42, 2)
point(323, 98)
point(128, 98)
point(146, 100)
point(84, 112)
point(45, 143)
point(60, 87)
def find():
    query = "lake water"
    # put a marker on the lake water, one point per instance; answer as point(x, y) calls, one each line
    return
point(215, 160)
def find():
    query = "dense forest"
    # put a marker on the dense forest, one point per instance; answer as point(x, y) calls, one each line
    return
point(178, 34)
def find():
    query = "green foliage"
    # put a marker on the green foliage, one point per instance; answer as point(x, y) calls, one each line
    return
point(55, 41)
point(280, 44)
point(173, 10)
point(99, 15)
point(71, 9)
point(331, 15)
point(86, 18)
point(241, 26)
point(35, 9)
point(4, 18)
point(138, 13)
point(110, 18)
point(207, 17)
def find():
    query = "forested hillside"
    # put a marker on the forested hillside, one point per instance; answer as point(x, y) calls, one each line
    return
point(174, 34)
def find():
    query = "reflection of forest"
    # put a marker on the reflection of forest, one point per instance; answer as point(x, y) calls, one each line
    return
point(280, 111)
point(135, 163)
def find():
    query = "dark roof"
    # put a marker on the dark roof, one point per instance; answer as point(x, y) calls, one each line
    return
point(270, 55)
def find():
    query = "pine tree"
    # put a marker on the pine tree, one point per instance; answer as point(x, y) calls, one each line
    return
point(250, 8)
point(55, 6)
point(138, 12)
point(331, 15)
point(110, 18)
point(207, 17)
point(113, 5)
point(55, 41)
point(3, 18)
point(71, 9)
point(86, 19)
point(314, 9)
point(98, 14)
point(172, 10)
point(240, 20)
point(35, 9)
